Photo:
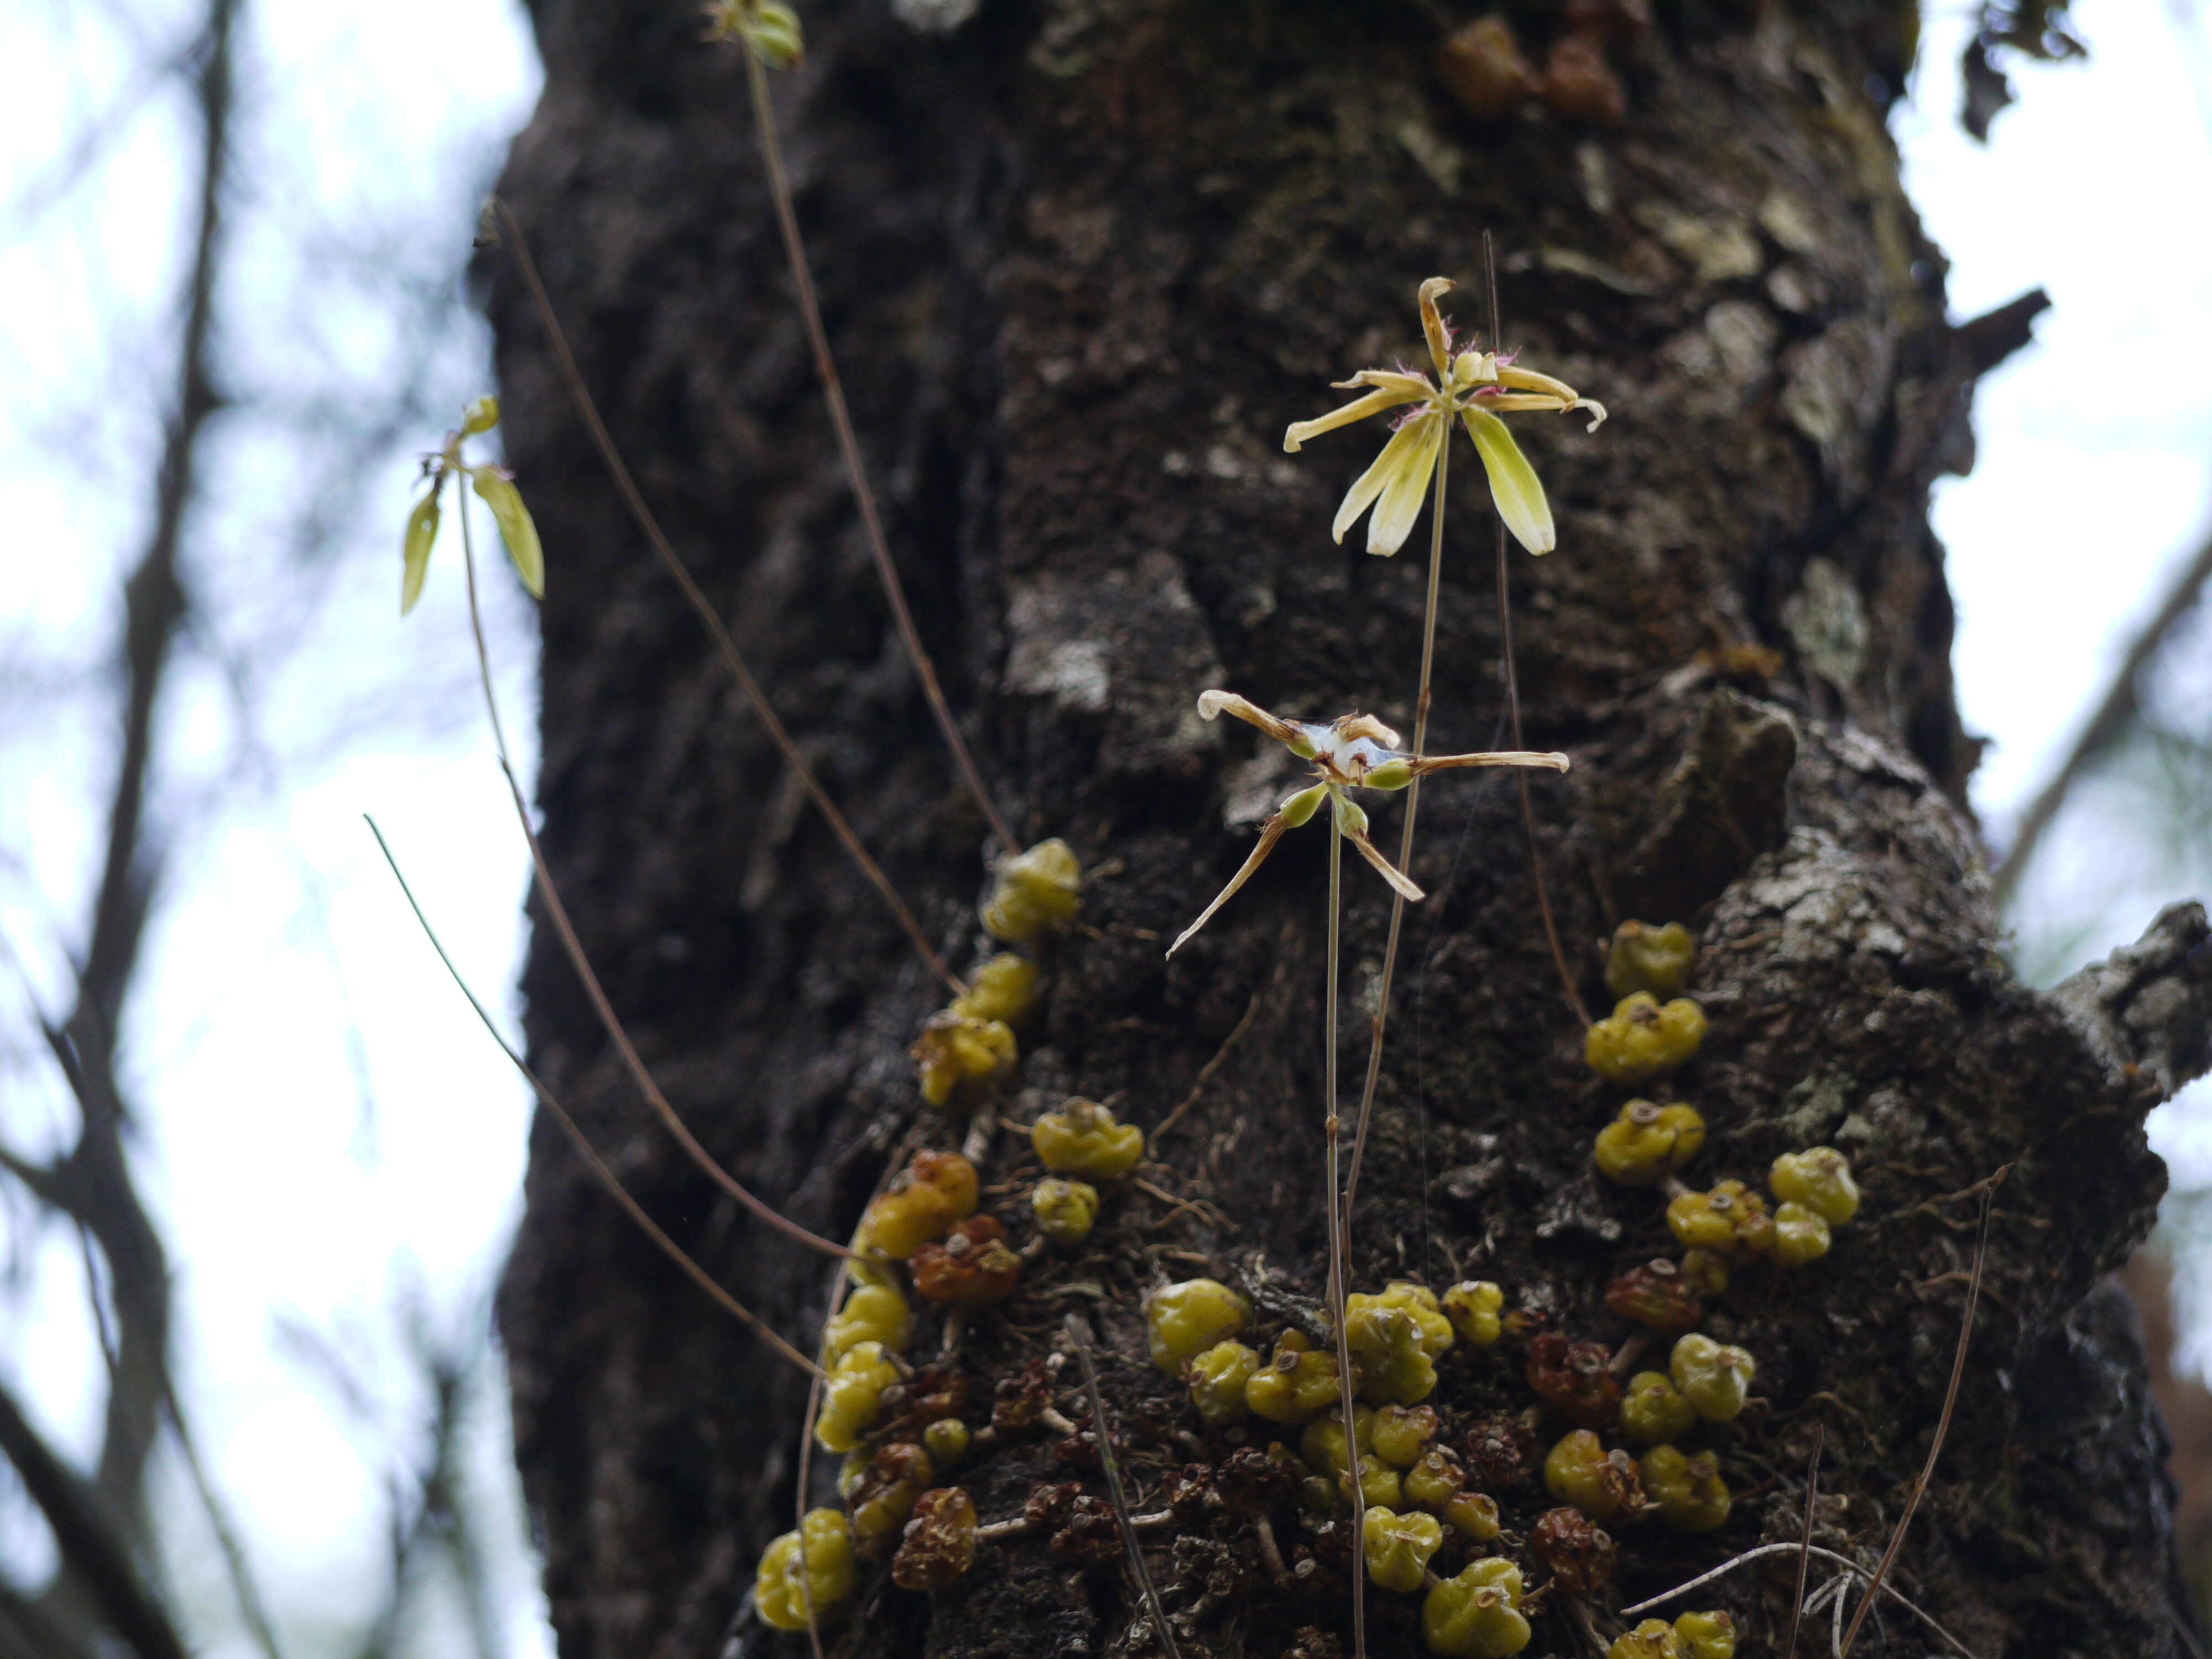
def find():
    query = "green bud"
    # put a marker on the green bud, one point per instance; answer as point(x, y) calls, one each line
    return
point(1391, 774)
point(774, 33)
point(422, 532)
point(946, 1442)
point(1302, 805)
point(479, 417)
point(515, 529)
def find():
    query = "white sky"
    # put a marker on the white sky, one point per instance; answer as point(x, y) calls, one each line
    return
point(326, 1126)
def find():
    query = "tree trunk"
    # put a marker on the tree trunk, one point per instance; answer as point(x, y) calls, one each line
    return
point(1082, 261)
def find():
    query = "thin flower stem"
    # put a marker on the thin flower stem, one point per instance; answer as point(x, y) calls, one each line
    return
point(574, 946)
point(1850, 1569)
point(1805, 1553)
point(724, 646)
point(1101, 1436)
point(1942, 1424)
point(825, 367)
point(1339, 1239)
point(1406, 837)
point(596, 1165)
point(1513, 701)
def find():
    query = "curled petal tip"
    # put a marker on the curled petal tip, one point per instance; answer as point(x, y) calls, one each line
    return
point(1597, 419)
point(1434, 286)
point(1210, 703)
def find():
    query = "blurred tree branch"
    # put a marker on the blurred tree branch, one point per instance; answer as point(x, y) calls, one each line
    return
point(2117, 712)
point(98, 1529)
point(92, 1544)
point(100, 1189)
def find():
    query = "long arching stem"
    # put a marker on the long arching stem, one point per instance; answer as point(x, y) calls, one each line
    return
point(833, 389)
point(724, 646)
point(574, 946)
point(1513, 704)
point(596, 1165)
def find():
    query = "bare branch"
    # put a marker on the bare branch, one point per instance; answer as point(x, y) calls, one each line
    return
point(92, 1546)
point(107, 1199)
point(2118, 709)
point(250, 1608)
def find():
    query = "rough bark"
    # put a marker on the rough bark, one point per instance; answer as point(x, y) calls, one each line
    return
point(1083, 259)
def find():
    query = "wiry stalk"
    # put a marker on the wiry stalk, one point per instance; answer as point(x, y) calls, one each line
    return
point(1513, 699)
point(724, 646)
point(1405, 835)
point(833, 389)
point(1339, 1239)
point(574, 946)
point(596, 1165)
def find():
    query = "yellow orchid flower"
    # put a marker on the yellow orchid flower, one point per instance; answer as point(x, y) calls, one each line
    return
point(1354, 752)
point(1475, 387)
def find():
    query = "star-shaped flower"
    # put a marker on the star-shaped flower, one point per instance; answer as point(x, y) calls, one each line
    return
point(1354, 752)
point(1476, 388)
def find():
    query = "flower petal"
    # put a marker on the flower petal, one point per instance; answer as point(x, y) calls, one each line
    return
point(1568, 399)
point(1506, 403)
point(1404, 450)
point(515, 527)
point(1527, 379)
point(1389, 380)
point(1358, 409)
point(1403, 495)
point(1514, 485)
point(1384, 867)
point(422, 531)
point(1422, 765)
point(1432, 324)
point(1270, 833)
point(1211, 705)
